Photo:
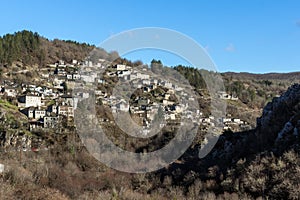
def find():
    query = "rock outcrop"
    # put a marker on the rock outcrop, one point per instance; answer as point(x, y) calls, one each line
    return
point(277, 131)
point(13, 133)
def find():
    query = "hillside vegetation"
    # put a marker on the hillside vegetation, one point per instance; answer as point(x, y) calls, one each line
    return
point(261, 163)
point(30, 49)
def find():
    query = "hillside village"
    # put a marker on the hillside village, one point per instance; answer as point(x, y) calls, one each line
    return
point(46, 106)
point(42, 154)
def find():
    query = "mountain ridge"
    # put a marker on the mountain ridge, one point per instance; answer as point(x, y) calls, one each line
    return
point(269, 75)
point(44, 51)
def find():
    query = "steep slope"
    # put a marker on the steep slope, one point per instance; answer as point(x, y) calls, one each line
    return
point(13, 127)
point(263, 162)
point(277, 131)
point(30, 48)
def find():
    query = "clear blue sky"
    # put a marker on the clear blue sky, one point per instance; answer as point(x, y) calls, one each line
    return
point(253, 35)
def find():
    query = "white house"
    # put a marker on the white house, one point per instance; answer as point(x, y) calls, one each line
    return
point(58, 80)
point(234, 98)
point(29, 100)
point(120, 67)
point(224, 95)
point(34, 113)
point(167, 84)
point(146, 82)
point(167, 96)
point(124, 73)
point(226, 120)
point(167, 102)
point(66, 111)
point(101, 81)
point(206, 120)
point(178, 109)
point(172, 116)
point(68, 99)
point(45, 75)
point(10, 91)
point(88, 63)
point(76, 76)
point(29, 112)
point(142, 76)
point(236, 120)
point(69, 76)
point(39, 113)
point(100, 93)
point(74, 62)
point(1, 168)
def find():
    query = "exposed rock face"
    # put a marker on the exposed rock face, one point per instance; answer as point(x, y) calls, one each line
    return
point(12, 131)
point(280, 121)
point(277, 130)
point(17, 141)
point(281, 108)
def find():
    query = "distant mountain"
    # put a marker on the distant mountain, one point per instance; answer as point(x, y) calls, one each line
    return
point(267, 76)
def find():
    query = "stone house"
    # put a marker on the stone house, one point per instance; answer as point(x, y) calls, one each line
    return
point(50, 122)
point(29, 100)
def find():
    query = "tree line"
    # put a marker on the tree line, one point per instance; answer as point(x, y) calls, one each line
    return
point(21, 46)
point(30, 48)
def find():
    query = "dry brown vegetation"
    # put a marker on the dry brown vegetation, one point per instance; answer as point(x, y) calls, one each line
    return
point(69, 172)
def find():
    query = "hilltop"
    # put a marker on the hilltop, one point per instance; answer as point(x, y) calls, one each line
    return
point(30, 48)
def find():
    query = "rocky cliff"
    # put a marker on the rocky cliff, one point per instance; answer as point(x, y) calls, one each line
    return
point(13, 128)
point(277, 131)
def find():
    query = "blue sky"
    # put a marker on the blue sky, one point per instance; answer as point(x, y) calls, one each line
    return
point(253, 36)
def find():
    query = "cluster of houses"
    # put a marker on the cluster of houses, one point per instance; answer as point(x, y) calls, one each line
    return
point(226, 96)
point(41, 115)
point(146, 108)
point(45, 106)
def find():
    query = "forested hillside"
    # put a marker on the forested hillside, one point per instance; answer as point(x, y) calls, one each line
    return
point(30, 48)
